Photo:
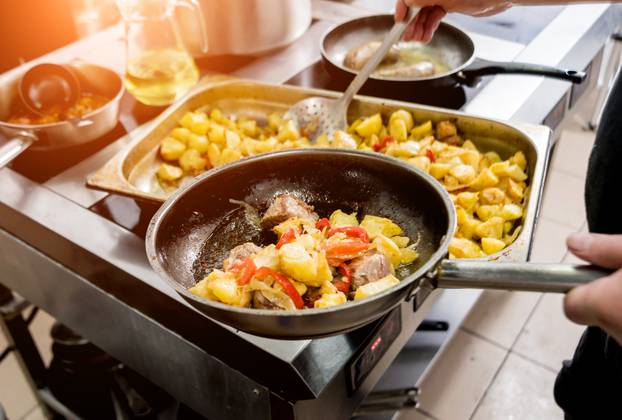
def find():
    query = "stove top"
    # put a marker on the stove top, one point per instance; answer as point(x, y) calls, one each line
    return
point(316, 76)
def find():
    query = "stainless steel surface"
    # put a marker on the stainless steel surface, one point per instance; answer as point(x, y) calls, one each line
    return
point(326, 116)
point(571, 39)
point(95, 79)
point(247, 27)
point(529, 277)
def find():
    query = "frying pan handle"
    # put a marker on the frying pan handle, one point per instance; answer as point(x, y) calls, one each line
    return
point(530, 277)
point(488, 68)
point(14, 147)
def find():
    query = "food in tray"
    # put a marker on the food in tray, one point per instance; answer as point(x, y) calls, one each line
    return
point(315, 263)
point(85, 104)
point(489, 192)
point(405, 59)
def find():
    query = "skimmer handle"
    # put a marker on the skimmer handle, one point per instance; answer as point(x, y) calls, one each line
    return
point(390, 39)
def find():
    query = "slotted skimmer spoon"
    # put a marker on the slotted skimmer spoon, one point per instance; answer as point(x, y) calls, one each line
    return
point(325, 116)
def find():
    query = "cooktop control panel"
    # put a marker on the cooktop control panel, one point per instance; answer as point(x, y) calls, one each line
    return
point(382, 338)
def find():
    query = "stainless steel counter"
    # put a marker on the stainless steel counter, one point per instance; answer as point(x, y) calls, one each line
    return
point(73, 263)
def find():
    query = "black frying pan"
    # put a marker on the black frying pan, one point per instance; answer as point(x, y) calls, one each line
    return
point(454, 46)
point(194, 230)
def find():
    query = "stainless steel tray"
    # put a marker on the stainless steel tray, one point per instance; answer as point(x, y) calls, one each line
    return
point(132, 171)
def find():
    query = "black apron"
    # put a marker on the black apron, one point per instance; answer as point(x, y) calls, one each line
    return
point(590, 386)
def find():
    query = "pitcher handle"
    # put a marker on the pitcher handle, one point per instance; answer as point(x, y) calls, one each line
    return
point(196, 7)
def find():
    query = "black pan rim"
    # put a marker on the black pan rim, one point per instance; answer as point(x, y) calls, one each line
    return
point(450, 73)
point(427, 267)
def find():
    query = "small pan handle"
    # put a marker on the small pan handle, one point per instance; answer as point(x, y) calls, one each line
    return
point(530, 277)
point(487, 68)
point(14, 147)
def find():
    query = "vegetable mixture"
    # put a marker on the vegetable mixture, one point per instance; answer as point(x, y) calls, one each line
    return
point(316, 263)
point(489, 192)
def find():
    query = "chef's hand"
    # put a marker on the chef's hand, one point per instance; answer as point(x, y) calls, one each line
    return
point(600, 302)
point(433, 11)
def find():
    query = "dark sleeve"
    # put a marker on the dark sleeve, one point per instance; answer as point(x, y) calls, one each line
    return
point(603, 189)
point(590, 385)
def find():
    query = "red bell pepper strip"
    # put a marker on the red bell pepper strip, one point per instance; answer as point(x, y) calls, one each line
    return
point(287, 237)
point(285, 283)
point(353, 231)
point(322, 223)
point(343, 251)
point(346, 281)
point(383, 143)
point(430, 154)
point(247, 267)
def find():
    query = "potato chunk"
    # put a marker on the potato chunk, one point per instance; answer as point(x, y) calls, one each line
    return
point(375, 287)
point(491, 228)
point(405, 116)
point(299, 264)
point(370, 125)
point(492, 246)
point(492, 196)
point(465, 248)
point(330, 299)
point(389, 249)
point(375, 226)
point(339, 218)
point(171, 148)
point(169, 173)
point(224, 286)
point(198, 143)
point(192, 161)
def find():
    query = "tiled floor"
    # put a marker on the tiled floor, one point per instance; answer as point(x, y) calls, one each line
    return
point(502, 362)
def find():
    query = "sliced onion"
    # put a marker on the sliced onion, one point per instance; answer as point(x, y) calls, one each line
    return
point(277, 297)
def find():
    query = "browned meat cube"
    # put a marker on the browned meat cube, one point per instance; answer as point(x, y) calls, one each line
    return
point(369, 267)
point(446, 129)
point(240, 253)
point(284, 207)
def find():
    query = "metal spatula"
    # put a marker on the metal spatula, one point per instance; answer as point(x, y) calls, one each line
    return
point(325, 116)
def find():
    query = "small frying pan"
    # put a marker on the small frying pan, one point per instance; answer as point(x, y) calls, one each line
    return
point(194, 230)
point(453, 46)
point(93, 79)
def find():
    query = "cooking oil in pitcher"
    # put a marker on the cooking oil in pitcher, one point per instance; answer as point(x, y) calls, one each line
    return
point(159, 77)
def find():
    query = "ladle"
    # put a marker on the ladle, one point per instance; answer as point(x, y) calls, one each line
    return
point(48, 86)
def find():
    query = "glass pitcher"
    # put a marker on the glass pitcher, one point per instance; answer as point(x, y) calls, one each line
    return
point(159, 69)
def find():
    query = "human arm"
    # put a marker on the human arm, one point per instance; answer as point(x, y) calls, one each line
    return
point(433, 11)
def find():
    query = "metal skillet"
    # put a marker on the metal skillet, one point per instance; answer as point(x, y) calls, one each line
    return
point(93, 79)
point(452, 45)
point(198, 225)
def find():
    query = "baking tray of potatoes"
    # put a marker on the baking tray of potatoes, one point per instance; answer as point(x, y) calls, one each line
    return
point(497, 201)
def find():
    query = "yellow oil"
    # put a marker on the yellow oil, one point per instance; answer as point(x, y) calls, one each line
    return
point(159, 77)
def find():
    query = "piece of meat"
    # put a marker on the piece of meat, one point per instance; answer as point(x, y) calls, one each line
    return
point(359, 56)
point(284, 207)
point(369, 267)
point(420, 69)
point(240, 253)
point(262, 302)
